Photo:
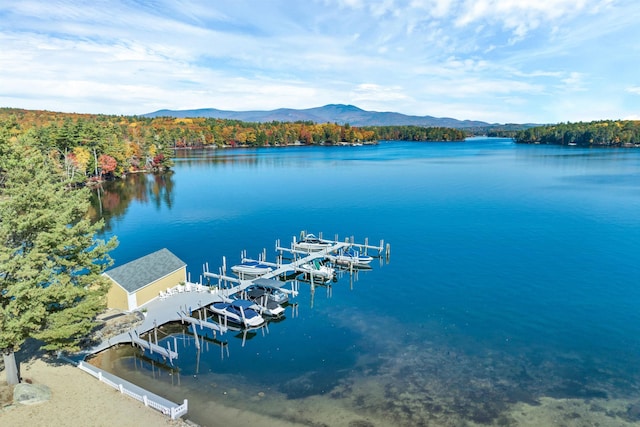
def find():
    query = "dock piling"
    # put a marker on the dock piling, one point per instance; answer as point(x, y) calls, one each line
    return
point(195, 336)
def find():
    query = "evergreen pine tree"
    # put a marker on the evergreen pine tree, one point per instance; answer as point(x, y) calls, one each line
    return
point(51, 264)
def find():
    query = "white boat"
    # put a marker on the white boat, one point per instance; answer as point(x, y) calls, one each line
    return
point(352, 257)
point(317, 270)
point(241, 312)
point(265, 298)
point(270, 287)
point(251, 269)
point(310, 243)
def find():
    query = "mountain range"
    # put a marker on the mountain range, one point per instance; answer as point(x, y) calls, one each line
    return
point(332, 113)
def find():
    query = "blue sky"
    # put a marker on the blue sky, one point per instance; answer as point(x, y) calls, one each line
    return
point(504, 61)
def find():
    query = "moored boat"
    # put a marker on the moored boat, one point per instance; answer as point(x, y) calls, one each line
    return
point(270, 287)
point(311, 243)
point(352, 257)
point(241, 312)
point(317, 270)
point(251, 269)
point(262, 297)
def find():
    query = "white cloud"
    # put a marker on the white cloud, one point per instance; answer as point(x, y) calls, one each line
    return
point(522, 16)
point(374, 93)
point(491, 57)
point(436, 8)
point(575, 81)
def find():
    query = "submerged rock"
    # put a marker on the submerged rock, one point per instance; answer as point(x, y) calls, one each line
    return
point(31, 394)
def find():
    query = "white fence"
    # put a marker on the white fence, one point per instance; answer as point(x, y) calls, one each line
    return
point(173, 411)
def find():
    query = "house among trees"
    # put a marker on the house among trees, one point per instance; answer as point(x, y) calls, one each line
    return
point(139, 281)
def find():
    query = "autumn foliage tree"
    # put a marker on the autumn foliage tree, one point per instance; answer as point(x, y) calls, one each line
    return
point(107, 164)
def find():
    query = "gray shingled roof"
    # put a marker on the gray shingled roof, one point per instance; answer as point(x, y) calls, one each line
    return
point(143, 271)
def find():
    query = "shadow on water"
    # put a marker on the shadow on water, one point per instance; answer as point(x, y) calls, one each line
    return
point(110, 200)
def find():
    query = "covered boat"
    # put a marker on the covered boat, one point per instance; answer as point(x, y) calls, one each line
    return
point(271, 288)
point(250, 269)
point(310, 243)
point(241, 312)
point(261, 296)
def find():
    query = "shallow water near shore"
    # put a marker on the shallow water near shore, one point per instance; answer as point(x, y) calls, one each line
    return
point(510, 296)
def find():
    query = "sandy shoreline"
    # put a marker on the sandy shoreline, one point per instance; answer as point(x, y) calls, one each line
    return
point(77, 399)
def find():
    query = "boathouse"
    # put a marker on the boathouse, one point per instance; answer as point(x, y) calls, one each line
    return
point(139, 281)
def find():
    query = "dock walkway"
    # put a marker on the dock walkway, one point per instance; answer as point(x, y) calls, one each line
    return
point(178, 305)
point(171, 308)
point(310, 256)
point(279, 268)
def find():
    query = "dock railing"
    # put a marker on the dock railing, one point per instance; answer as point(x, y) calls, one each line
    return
point(149, 399)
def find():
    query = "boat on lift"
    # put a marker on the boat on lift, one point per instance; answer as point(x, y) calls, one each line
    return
point(318, 270)
point(241, 312)
point(352, 257)
point(311, 243)
point(271, 287)
point(250, 269)
point(264, 297)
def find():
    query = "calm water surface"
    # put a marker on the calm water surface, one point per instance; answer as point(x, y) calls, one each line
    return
point(513, 279)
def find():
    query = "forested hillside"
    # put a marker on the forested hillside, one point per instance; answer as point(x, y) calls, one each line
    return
point(90, 146)
point(606, 133)
point(417, 133)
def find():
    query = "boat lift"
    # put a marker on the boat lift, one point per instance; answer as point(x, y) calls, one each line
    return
point(349, 242)
point(153, 347)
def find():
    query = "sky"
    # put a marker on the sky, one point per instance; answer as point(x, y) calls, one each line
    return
point(499, 61)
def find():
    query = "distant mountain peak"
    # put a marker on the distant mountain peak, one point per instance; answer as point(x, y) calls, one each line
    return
point(332, 113)
point(342, 107)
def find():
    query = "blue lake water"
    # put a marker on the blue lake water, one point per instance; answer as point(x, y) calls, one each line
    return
point(513, 278)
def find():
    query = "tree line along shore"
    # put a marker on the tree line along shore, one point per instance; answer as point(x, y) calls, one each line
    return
point(602, 133)
point(51, 263)
point(95, 146)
